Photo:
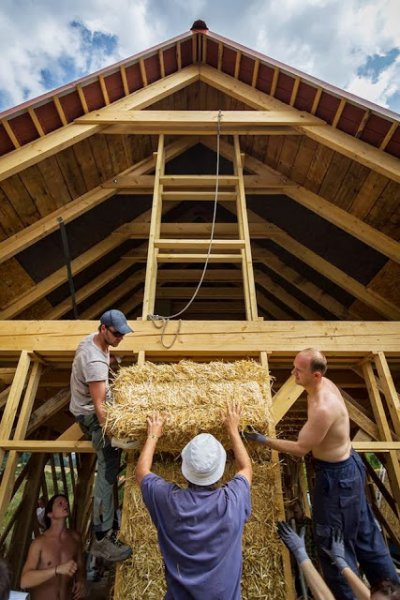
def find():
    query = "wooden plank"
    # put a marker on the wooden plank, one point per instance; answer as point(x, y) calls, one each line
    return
point(358, 417)
point(279, 498)
point(57, 278)
point(7, 481)
point(62, 138)
point(287, 395)
point(342, 339)
point(191, 244)
point(389, 390)
point(376, 446)
point(271, 308)
point(286, 298)
point(335, 139)
point(14, 397)
point(323, 208)
point(366, 295)
point(243, 224)
point(155, 226)
point(50, 446)
point(48, 409)
point(306, 287)
point(195, 258)
point(156, 121)
point(392, 463)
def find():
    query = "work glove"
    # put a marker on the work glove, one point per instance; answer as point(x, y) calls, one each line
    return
point(336, 551)
point(294, 542)
point(251, 435)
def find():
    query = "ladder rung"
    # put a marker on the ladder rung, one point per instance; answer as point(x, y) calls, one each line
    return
point(164, 244)
point(195, 258)
point(182, 196)
point(197, 180)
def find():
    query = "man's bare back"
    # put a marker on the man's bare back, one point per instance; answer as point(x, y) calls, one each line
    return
point(335, 446)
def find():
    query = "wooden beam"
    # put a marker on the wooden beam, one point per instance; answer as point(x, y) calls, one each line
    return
point(7, 482)
point(49, 446)
point(58, 140)
point(376, 446)
point(290, 301)
point(389, 390)
point(31, 234)
point(356, 289)
point(54, 339)
point(48, 409)
point(53, 281)
point(323, 208)
point(279, 499)
point(14, 397)
point(190, 122)
point(287, 395)
point(337, 140)
point(358, 417)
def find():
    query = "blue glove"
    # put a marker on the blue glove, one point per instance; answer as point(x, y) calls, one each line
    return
point(336, 552)
point(253, 436)
point(294, 542)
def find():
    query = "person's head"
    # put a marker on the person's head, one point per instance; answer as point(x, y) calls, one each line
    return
point(309, 367)
point(42, 502)
point(203, 460)
point(113, 326)
point(57, 508)
point(386, 590)
point(5, 580)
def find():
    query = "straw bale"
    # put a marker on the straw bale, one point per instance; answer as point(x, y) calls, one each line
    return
point(142, 576)
point(192, 395)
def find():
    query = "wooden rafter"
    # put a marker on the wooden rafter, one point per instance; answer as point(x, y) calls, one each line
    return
point(323, 208)
point(60, 139)
point(74, 209)
point(337, 140)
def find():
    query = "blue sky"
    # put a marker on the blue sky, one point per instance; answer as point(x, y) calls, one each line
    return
point(353, 44)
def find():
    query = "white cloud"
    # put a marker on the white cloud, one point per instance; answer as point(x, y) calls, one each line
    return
point(329, 39)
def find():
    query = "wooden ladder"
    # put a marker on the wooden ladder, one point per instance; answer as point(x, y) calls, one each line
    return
point(168, 250)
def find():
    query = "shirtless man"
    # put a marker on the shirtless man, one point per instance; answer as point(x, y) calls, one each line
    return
point(339, 500)
point(54, 567)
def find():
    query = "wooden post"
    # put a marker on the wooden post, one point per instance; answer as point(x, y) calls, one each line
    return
point(155, 227)
point(392, 463)
point(22, 533)
point(279, 503)
point(247, 262)
point(7, 482)
point(14, 397)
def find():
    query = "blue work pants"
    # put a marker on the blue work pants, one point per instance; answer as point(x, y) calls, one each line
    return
point(339, 502)
point(107, 471)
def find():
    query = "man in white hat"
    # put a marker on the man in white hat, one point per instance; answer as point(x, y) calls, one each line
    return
point(90, 393)
point(199, 527)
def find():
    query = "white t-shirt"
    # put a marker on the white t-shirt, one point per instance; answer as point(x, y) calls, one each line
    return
point(90, 364)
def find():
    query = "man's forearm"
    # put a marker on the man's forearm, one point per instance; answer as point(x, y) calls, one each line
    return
point(242, 458)
point(145, 461)
point(359, 589)
point(36, 577)
point(315, 582)
point(287, 446)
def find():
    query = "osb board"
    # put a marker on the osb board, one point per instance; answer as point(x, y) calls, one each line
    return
point(143, 576)
point(14, 281)
point(386, 284)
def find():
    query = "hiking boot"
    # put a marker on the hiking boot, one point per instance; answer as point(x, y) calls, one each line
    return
point(110, 548)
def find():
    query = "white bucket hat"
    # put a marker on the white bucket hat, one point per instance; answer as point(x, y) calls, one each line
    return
point(203, 460)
